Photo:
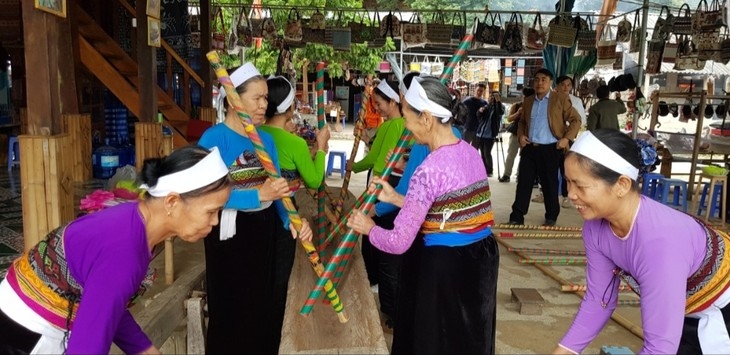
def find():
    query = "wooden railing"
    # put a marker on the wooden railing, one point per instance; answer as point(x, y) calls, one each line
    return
point(171, 54)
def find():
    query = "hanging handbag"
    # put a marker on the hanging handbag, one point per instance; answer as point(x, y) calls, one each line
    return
point(415, 65)
point(536, 35)
point(243, 29)
point(512, 41)
point(376, 40)
point(490, 32)
point(437, 67)
point(426, 66)
point(357, 28)
point(232, 37)
point(725, 48)
point(218, 41)
point(655, 49)
point(256, 21)
point(687, 56)
point(561, 32)
point(338, 36)
point(709, 45)
point(663, 26)
point(437, 31)
point(293, 28)
point(458, 28)
point(683, 21)
point(587, 36)
point(313, 32)
point(268, 27)
point(669, 54)
point(707, 18)
point(606, 47)
point(636, 40)
point(618, 63)
point(414, 31)
point(390, 26)
point(623, 30)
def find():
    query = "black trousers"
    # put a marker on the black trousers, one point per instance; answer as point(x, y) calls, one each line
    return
point(16, 339)
point(690, 342)
point(485, 147)
point(370, 254)
point(388, 271)
point(541, 160)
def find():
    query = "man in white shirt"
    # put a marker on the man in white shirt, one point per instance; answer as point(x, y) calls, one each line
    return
point(564, 84)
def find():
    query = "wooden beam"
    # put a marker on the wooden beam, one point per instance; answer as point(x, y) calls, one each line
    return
point(146, 73)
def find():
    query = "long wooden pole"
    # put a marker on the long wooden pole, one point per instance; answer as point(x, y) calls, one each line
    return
point(359, 127)
point(321, 220)
point(270, 168)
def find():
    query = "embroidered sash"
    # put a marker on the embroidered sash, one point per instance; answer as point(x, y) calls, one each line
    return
point(247, 171)
point(462, 210)
point(293, 178)
point(41, 275)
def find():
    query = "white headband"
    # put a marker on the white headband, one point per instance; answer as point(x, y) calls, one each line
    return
point(388, 91)
point(417, 98)
point(286, 104)
point(205, 172)
point(590, 147)
point(238, 77)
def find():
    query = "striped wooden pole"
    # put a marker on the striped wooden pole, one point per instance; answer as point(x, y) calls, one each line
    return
point(341, 225)
point(542, 228)
point(576, 288)
point(342, 254)
point(539, 235)
point(359, 127)
point(321, 220)
point(448, 72)
point(554, 261)
point(235, 101)
point(548, 251)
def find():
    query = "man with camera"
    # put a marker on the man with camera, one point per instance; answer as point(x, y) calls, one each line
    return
point(490, 119)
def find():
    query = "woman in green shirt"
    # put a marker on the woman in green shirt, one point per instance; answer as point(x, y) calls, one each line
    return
point(295, 158)
point(387, 101)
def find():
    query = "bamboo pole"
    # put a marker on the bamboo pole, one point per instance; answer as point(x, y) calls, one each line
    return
point(540, 235)
point(542, 228)
point(235, 102)
point(582, 288)
point(554, 261)
point(621, 320)
point(359, 128)
point(78, 128)
point(338, 261)
point(321, 220)
point(167, 145)
point(548, 251)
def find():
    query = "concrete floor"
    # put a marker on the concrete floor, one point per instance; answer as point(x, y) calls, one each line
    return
point(516, 333)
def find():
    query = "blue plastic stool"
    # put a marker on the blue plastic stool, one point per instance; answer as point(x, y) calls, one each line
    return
point(715, 200)
point(649, 185)
point(331, 160)
point(13, 152)
point(680, 189)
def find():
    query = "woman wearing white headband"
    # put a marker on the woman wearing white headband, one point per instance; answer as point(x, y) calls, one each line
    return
point(448, 284)
point(679, 266)
point(87, 273)
point(239, 255)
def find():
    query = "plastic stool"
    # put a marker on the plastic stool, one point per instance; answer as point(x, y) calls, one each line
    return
point(649, 184)
point(331, 160)
point(716, 190)
point(13, 152)
point(679, 187)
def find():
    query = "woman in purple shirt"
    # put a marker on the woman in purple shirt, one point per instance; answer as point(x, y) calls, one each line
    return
point(679, 266)
point(448, 284)
point(70, 293)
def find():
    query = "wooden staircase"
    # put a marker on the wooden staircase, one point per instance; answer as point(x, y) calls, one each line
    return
point(106, 60)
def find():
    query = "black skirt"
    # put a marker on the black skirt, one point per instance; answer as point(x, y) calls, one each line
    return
point(447, 299)
point(243, 304)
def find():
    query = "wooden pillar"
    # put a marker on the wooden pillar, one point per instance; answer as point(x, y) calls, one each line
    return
point(47, 189)
point(147, 142)
point(50, 69)
point(208, 114)
point(78, 127)
point(23, 112)
point(146, 72)
point(167, 145)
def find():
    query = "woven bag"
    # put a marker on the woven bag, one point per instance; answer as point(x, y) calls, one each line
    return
point(606, 47)
point(458, 28)
point(218, 40)
point(414, 31)
point(390, 26)
point(438, 31)
point(587, 37)
point(512, 40)
point(664, 25)
point(243, 29)
point(490, 31)
point(682, 23)
point(623, 30)
point(293, 28)
point(636, 41)
point(654, 49)
point(536, 35)
point(561, 32)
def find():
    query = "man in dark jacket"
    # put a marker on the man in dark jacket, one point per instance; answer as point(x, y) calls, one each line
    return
point(490, 119)
point(474, 104)
point(604, 113)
